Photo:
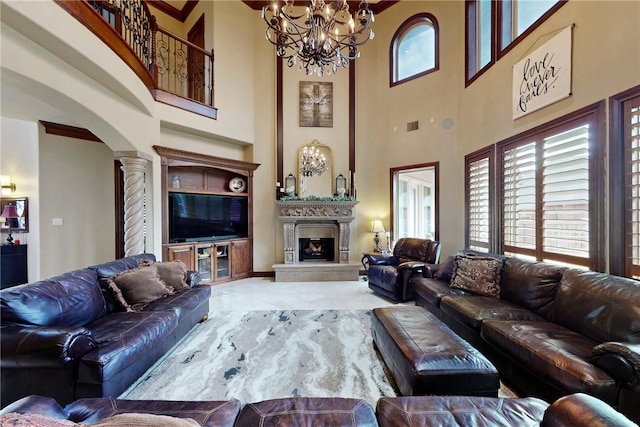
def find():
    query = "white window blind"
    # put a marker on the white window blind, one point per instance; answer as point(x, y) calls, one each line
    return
point(565, 193)
point(479, 212)
point(632, 119)
point(519, 197)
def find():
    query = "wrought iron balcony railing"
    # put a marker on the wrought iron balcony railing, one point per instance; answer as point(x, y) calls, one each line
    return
point(183, 68)
point(176, 71)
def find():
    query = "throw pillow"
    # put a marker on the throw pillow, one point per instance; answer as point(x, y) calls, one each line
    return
point(477, 274)
point(33, 420)
point(145, 420)
point(445, 270)
point(172, 273)
point(134, 289)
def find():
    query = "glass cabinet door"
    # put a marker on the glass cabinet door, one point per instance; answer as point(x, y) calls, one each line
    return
point(222, 261)
point(203, 262)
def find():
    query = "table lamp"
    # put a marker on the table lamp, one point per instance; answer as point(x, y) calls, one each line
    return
point(8, 213)
point(376, 227)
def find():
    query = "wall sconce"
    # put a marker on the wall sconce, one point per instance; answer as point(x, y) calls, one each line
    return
point(377, 228)
point(8, 187)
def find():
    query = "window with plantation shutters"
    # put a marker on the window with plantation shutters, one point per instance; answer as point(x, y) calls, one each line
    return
point(479, 199)
point(551, 191)
point(519, 199)
point(632, 119)
point(565, 195)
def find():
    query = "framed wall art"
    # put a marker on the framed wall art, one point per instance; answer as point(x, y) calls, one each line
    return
point(543, 76)
point(18, 225)
point(316, 104)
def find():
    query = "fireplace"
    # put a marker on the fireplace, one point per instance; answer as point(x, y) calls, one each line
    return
point(316, 249)
point(316, 219)
point(316, 241)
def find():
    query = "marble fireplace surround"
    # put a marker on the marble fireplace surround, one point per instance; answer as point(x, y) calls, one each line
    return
point(317, 218)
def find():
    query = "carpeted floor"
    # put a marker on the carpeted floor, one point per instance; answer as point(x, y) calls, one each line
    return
point(258, 355)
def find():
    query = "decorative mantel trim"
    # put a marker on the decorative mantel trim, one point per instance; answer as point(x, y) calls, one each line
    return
point(316, 209)
point(297, 212)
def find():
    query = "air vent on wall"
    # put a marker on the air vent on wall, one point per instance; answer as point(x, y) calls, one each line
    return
point(411, 126)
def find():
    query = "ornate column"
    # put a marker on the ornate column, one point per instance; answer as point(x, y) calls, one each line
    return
point(345, 238)
point(290, 254)
point(134, 169)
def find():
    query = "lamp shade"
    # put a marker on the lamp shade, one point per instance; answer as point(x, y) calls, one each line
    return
point(376, 226)
point(9, 211)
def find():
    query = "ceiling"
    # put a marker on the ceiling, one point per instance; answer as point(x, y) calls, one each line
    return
point(180, 9)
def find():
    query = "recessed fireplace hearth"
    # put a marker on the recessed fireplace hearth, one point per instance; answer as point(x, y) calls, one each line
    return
point(316, 240)
point(316, 249)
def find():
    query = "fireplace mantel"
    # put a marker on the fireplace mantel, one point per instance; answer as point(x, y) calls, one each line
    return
point(316, 208)
point(309, 213)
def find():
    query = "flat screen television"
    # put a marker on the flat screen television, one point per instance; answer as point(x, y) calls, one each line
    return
point(204, 217)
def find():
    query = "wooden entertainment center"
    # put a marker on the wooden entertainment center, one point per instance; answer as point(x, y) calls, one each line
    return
point(219, 257)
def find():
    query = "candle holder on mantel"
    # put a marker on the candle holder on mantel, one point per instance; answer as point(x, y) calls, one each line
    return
point(341, 186)
point(290, 185)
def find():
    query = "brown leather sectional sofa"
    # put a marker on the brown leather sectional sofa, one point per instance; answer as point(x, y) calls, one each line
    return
point(552, 331)
point(576, 410)
point(62, 337)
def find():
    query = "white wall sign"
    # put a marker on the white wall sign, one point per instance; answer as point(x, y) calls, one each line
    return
point(544, 76)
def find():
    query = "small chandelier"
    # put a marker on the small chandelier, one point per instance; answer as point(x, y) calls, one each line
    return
point(321, 37)
point(312, 162)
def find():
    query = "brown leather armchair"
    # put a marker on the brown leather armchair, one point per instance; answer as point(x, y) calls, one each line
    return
point(389, 275)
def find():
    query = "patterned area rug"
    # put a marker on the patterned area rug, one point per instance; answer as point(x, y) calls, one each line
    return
point(258, 355)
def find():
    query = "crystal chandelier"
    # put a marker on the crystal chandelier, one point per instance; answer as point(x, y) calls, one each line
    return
point(312, 162)
point(319, 38)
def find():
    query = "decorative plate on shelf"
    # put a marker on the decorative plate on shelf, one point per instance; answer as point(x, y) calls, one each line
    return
point(237, 185)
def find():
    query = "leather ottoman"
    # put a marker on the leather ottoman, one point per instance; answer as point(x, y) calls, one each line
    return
point(459, 411)
point(302, 411)
point(425, 357)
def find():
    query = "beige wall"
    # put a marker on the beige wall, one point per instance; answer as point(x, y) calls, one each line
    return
point(82, 194)
point(65, 74)
point(63, 65)
point(267, 237)
point(481, 113)
point(19, 160)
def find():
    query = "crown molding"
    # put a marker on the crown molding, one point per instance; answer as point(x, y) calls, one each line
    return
point(178, 14)
point(205, 159)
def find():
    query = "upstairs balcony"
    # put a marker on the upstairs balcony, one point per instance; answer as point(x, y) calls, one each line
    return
point(176, 71)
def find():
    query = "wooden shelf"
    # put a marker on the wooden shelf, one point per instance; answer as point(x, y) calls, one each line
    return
point(204, 174)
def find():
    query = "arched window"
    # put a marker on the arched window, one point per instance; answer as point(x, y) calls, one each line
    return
point(414, 49)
